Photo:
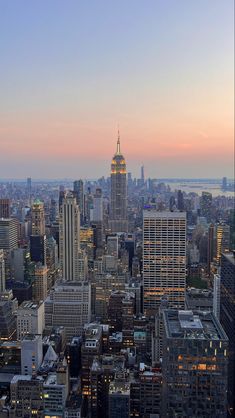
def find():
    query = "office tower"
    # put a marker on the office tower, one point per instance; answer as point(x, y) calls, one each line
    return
point(142, 175)
point(82, 266)
point(194, 366)
point(73, 356)
point(8, 307)
point(96, 214)
point(31, 354)
point(149, 392)
point(216, 296)
point(30, 319)
point(222, 240)
point(119, 397)
point(40, 283)
point(164, 258)
point(69, 305)
point(38, 218)
point(87, 242)
point(78, 189)
point(69, 238)
point(53, 211)
point(224, 184)
point(227, 319)
point(55, 391)
point(172, 203)
point(29, 190)
point(38, 248)
point(206, 205)
point(180, 200)
point(18, 263)
point(4, 208)
point(112, 245)
point(118, 210)
point(62, 194)
point(210, 247)
point(26, 395)
point(2, 272)
point(8, 234)
point(8, 240)
point(91, 347)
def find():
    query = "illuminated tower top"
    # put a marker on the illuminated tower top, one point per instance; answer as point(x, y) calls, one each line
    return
point(118, 165)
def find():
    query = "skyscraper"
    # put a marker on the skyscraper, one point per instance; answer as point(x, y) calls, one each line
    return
point(38, 218)
point(70, 238)
point(206, 205)
point(4, 208)
point(194, 365)
point(2, 272)
point(164, 258)
point(78, 190)
point(118, 210)
point(38, 237)
point(222, 240)
point(29, 189)
point(227, 319)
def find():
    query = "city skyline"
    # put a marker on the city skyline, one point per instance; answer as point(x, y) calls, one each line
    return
point(70, 75)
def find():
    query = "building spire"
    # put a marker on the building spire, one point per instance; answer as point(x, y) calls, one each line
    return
point(118, 143)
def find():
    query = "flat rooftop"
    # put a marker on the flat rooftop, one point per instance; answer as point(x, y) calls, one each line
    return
point(28, 304)
point(187, 325)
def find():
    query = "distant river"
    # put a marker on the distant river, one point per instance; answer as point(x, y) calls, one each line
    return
point(214, 189)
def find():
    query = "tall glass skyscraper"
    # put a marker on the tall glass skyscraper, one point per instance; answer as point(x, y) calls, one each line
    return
point(118, 212)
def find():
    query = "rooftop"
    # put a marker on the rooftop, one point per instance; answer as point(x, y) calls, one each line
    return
point(186, 325)
point(27, 304)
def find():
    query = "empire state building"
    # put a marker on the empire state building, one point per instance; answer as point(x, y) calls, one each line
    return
point(118, 214)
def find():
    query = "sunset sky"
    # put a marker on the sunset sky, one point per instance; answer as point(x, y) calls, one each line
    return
point(72, 70)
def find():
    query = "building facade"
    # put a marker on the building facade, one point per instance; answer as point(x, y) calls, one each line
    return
point(164, 258)
point(118, 210)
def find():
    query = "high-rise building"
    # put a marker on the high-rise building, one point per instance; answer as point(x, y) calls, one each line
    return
point(69, 305)
point(38, 218)
point(26, 395)
point(30, 319)
point(38, 248)
point(4, 208)
point(210, 248)
point(222, 240)
point(78, 190)
point(8, 240)
point(118, 210)
point(56, 389)
point(194, 367)
point(227, 319)
point(119, 397)
point(70, 238)
point(40, 283)
point(216, 295)
point(164, 258)
point(180, 200)
point(206, 205)
point(8, 234)
point(31, 354)
point(142, 175)
point(2, 272)
point(96, 214)
point(8, 307)
point(29, 189)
